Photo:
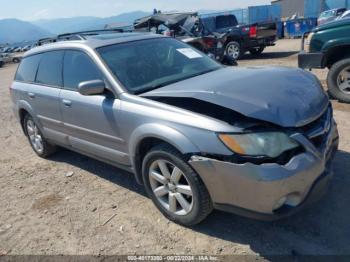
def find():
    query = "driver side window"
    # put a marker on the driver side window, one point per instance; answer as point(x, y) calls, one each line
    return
point(78, 67)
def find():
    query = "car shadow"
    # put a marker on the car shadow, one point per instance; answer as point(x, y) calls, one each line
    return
point(100, 169)
point(323, 229)
point(268, 55)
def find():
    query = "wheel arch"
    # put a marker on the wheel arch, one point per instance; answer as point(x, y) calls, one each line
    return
point(147, 136)
point(24, 108)
point(335, 54)
point(233, 39)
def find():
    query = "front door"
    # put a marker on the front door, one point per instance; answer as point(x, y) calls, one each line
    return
point(91, 122)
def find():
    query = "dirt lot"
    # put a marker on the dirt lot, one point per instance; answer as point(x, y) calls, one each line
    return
point(42, 211)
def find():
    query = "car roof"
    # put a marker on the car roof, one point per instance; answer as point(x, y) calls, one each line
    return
point(94, 41)
point(345, 13)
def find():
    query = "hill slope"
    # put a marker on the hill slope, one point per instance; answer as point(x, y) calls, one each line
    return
point(14, 30)
point(74, 24)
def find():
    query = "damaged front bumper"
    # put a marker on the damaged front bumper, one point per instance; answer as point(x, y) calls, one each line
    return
point(270, 191)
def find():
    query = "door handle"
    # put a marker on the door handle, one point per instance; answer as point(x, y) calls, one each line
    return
point(31, 95)
point(66, 102)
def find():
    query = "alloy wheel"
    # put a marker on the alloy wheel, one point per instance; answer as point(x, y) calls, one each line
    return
point(343, 80)
point(171, 187)
point(233, 51)
point(35, 136)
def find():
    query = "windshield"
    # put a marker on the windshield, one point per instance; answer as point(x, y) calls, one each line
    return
point(345, 15)
point(328, 14)
point(145, 65)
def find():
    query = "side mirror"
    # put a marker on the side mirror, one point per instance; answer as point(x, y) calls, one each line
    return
point(93, 87)
point(229, 60)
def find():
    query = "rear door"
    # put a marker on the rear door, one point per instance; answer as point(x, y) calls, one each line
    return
point(91, 122)
point(42, 93)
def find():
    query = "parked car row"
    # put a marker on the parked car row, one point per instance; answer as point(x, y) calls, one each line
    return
point(15, 49)
point(8, 58)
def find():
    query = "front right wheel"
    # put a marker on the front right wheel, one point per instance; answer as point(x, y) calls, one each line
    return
point(174, 187)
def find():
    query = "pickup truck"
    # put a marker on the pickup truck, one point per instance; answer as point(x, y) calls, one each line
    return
point(328, 46)
point(187, 28)
point(241, 38)
point(219, 35)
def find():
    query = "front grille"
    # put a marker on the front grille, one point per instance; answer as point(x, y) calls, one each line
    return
point(318, 130)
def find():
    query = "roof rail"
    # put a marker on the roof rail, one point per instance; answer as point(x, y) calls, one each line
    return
point(77, 35)
point(80, 35)
point(46, 40)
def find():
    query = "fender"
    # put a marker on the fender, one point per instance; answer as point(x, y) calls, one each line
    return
point(22, 104)
point(333, 46)
point(162, 132)
point(338, 42)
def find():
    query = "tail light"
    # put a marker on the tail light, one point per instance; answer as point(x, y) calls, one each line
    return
point(252, 31)
point(209, 42)
point(167, 33)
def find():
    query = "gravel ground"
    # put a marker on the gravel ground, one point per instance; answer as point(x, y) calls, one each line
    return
point(44, 211)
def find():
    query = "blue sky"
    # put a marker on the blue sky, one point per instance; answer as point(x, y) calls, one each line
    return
point(47, 9)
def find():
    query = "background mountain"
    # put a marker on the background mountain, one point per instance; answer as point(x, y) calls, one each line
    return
point(13, 31)
point(74, 24)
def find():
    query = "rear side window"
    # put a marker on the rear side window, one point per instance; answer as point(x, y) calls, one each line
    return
point(27, 69)
point(78, 67)
point(224, 21)
point(50, 69)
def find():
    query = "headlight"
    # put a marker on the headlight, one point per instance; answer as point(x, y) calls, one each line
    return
point(270, 144)
point(308, 42)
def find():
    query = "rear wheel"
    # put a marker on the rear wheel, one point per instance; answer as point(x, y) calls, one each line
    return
point(37, 141)
point(257, 50)
point(338, 80)
point(174, 187)
point(234, 50)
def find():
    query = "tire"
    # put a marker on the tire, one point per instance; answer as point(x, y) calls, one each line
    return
point(15, 60)
point(234, 50)
point(338, 78)
point(1, 63)
point(35, 137)
point(199, 205)
point(257, 51)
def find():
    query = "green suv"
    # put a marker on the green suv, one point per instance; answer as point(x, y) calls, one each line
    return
point(329, 46)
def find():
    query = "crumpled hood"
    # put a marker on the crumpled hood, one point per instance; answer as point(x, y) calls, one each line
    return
point(283, 96)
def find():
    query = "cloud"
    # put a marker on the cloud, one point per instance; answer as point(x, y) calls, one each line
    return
point(41, 14)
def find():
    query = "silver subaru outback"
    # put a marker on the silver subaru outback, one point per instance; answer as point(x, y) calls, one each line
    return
point(255, 141)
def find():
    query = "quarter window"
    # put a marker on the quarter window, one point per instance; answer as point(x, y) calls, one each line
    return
point(50, 69)
point(78, 67)
point(27, 69)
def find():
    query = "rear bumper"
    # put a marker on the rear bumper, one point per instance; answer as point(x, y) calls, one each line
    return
point(310, 60)
point(256, 191)
point(254, 43)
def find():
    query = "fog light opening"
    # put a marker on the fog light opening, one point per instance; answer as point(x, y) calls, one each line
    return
point(293, 200)
point(280, 203)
